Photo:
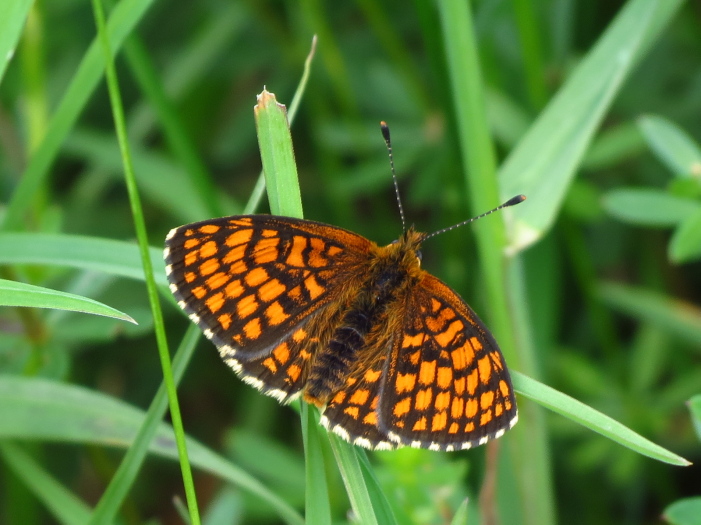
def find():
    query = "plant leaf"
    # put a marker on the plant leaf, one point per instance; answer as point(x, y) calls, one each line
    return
point(685, 245)
point(648, 207)
point(119, 258)
point(39, 409)
point(545, 161)
point(686, 511)
point(13, 14)
point(593, 419)
point(13, 293)
point(671, 145)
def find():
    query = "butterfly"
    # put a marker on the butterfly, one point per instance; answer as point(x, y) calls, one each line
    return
point(390, 354)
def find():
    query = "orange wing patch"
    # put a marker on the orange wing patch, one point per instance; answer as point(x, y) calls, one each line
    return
point(457, 394)
point(301, 307)
point(254, 284)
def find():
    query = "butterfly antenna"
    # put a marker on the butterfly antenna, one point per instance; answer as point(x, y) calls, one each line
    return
point(385, 133)
point(511, 202)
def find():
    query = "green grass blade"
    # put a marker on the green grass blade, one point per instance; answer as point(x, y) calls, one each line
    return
point(592, 419)
point(316, 491)
point(677, 150)
point(43, 410)
point(479, 167)
point(381, 507)
point(13, 15)
point(118, 258)
point(544, 163)
point(460, 517)
point(680, 318)
point(259, 189)
point(686, 511)
point(123, 19)
point(142, 236)
point(64, 506)
point(278, 157)
point(648, 207)
point(685, 245)
point(13, 293)
point(353, 479)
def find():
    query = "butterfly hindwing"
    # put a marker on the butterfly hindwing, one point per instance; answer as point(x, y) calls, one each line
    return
point(282, 372)
point(446, 386)
point(353, 412)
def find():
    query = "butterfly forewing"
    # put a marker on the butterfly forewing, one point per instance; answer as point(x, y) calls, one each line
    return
point(256, 285)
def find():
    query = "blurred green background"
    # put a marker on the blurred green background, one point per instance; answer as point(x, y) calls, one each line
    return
point(606, 294)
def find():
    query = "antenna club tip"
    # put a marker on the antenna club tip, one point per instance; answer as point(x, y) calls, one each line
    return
point(515, 200)
point(385, 130)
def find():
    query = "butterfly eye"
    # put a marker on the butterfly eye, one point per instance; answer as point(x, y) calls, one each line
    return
point(419, 256)
point(395, 241)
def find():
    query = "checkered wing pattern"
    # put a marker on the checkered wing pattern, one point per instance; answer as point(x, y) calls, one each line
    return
point(257, 286)
point(447, 387)
point(352, 413)
point(441, 383)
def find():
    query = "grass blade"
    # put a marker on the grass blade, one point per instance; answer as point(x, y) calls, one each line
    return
point(39, 409)
point(13, 14)
point(673, 147)
point(61, 503)
point(13, 293)
point(544, 163)
point(590, 418)
point(142, 236)
point(113, 257)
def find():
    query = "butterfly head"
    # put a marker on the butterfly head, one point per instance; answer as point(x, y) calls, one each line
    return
point(405, 251)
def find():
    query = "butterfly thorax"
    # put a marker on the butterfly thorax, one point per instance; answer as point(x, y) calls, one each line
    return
point(392, 271)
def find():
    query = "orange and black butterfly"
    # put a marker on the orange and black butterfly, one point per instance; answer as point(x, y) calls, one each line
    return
point(390, 354)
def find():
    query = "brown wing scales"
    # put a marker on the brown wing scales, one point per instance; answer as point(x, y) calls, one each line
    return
point(256, 284)
point(280, 299)
point(447, 387)
point(441, 385)
point(353, 412)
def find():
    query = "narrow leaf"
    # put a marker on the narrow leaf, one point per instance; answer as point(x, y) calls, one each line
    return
point(278, 157)
point(672, 145)
point(592, 419)
point(13, 293)
point(686, 511)
point(648, 207)
point(39, 409)
point(544, 163)
point(685, 245)
point(13, 14)
point(119, 258)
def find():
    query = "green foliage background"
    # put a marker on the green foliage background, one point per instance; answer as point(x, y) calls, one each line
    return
point(601, 302)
